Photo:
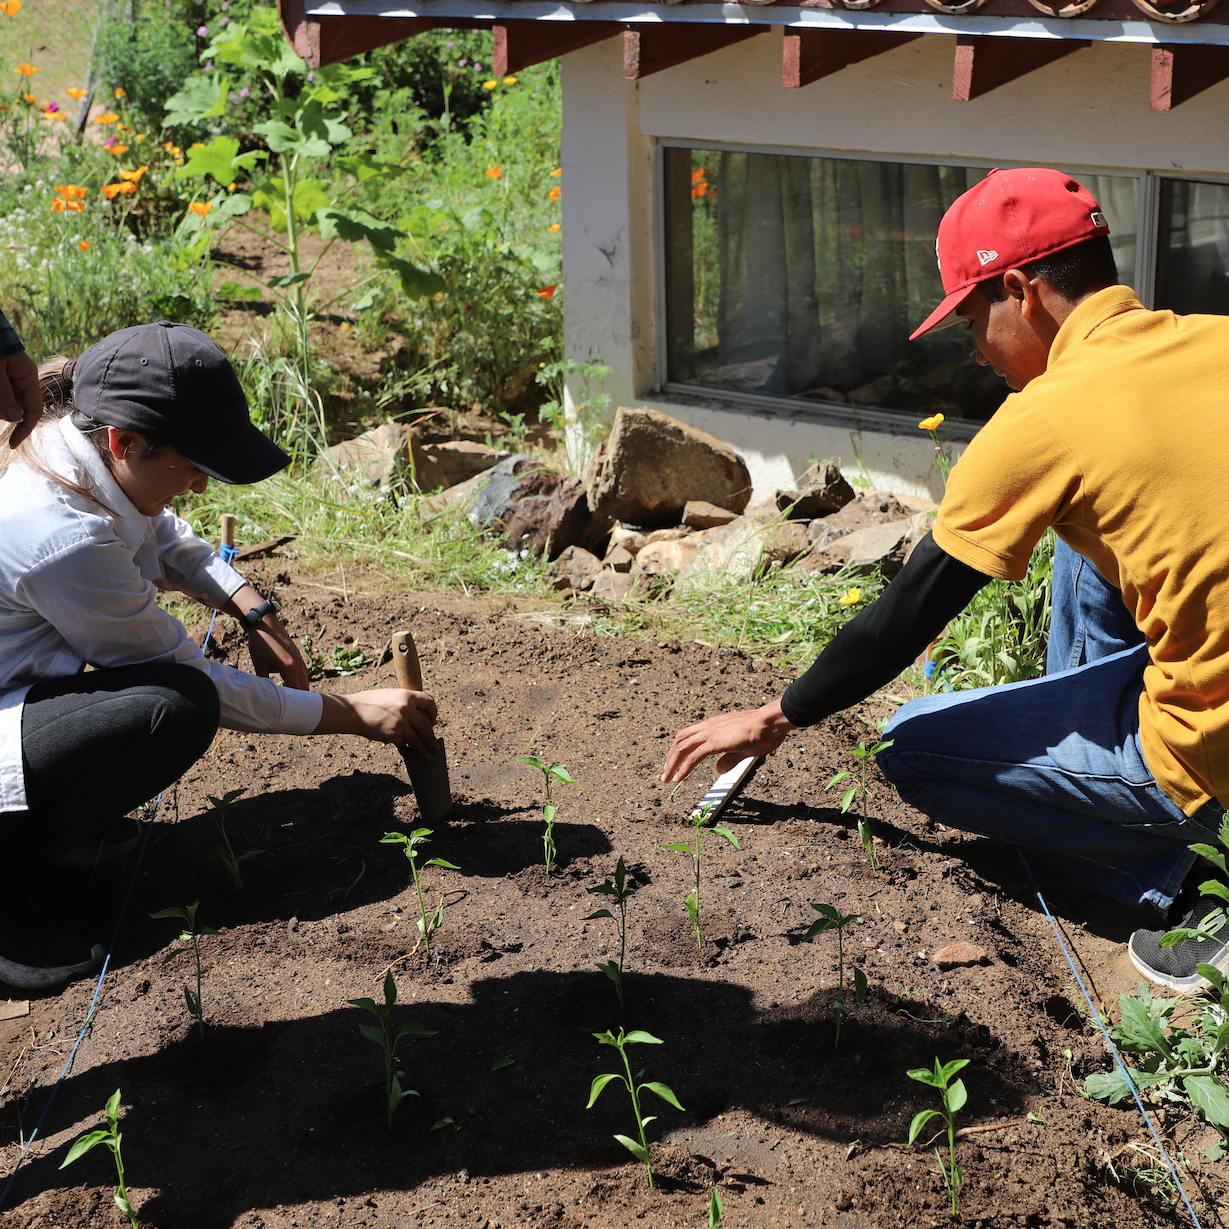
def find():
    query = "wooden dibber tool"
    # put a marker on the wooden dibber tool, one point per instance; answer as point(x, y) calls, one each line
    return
point(429, 781)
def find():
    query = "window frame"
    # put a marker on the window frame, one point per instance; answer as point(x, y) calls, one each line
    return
point(831, 413)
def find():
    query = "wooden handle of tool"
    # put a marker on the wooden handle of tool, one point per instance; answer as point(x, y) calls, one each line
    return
point(405, 659)
point(228, 529)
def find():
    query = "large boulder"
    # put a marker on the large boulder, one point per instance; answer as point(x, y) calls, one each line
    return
point(820, 491)
point(379, 456)
point(443, 465)
point(747, 546)
point(653, 465)
point(884, 545)
point(575, 569)
point(535, 507)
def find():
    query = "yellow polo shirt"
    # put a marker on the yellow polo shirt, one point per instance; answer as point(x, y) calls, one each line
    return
point(1123, 446)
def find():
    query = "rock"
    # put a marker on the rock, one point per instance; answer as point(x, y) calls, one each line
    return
point(747, 546)
point(874, 392)
point(954, 955)
point(664, 535)
point(613, 586)
point(884, 545)
point(576, 568)
point(652, 466)
point(379, 456)
point(619, 558)
point(447, 464)
point(820, 491)
point(625, 536)
point(671, 555)
point(699, 514)
point(869, 508)
point(532, 506)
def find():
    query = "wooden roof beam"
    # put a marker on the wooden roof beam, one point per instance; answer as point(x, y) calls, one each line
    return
point(329, 40)
point(650, 49)
point(1182, 70)
point(984, 62)
point(812, 54)
point(519, 44)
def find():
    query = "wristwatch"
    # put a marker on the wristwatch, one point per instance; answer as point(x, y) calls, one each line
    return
point(254, 616)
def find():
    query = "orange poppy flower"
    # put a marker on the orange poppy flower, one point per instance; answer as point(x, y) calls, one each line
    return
point(112, 190)
point(199, 208)
point(70, 191)
point(554, 228)
point(76, 93)
point(57, 205)
point(494, 172)
point(134, 176)
point(26, 70)
point(10, 8)
point(108, 117)
point(556, 172)
point(697, 175)
point(701, 189)
point(932, 423)
point(30, 98)
point(119, 91)
point(547, 292)
point(74, 206)
point(556, 192)
point(117, 150)
point(84, 245)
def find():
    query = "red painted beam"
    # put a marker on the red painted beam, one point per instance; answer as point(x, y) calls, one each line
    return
point(983, 62)
point(650, 49)
point(519, 44)
point(812, 54)
point(1182, 70)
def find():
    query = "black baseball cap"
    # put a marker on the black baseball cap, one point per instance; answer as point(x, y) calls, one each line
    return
point(175, 384)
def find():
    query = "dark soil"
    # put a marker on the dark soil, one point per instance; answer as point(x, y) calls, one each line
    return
point(277, 1118)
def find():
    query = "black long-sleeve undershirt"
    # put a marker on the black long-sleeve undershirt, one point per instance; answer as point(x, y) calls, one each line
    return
point(875, 646)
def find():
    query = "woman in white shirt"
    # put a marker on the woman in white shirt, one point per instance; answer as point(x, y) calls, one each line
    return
point(86, 541)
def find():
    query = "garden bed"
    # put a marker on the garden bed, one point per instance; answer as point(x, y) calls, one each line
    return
point(277, 1118)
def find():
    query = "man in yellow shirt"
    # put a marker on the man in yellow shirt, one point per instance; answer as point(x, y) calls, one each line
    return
point(1111, 765)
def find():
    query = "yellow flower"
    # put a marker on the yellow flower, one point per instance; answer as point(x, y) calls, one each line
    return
point(169, 146)
point(54, 115)
point(30, 98)
point(197, 145)
point(140, 138)
point(554, 228)
point(555, 193)
point(179, 162)
point(108, 117)
point(230, 187)
point(509, 81)
point(11, 8)
point(556, 172)
point(494, 172)
point(490, 85)
point(932, 423)
point(199, 208)
point(119, 91)
point(117, 151)
point(76, 93)
point(851, 597)
point(84, 245)
point(26, 70)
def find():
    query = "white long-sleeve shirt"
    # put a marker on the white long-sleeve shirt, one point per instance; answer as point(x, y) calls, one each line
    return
point(79, 584)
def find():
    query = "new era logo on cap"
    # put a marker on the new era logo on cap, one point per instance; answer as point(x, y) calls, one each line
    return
point(984, 257)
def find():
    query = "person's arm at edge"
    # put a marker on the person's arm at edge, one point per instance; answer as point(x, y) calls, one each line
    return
point(869, 651)
point(21, 400)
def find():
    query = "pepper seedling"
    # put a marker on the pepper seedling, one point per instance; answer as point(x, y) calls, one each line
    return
point(382, 1035)
point(833, 919)
point(551, 773)
point(621, 891)
point(864, 753)
point(192, 935)
point(428, 924)
point(952, 1096)
point(111, 1136)
point(700, 817)
point(226, 851)
point(637, 1037)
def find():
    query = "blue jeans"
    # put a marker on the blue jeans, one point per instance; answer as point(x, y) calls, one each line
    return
point(1055, 765)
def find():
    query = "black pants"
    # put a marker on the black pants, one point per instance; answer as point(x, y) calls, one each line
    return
point(96, 745)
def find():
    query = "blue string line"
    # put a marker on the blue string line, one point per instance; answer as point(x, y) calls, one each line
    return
point(227, 555)
point(106, 964)
point(1096, 1015)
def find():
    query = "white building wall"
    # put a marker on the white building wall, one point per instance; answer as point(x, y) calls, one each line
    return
point(1089, 109)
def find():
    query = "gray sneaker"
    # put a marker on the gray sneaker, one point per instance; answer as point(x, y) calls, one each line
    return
point(1177, 966)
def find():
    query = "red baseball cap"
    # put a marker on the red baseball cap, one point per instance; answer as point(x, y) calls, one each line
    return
point(1008, 220)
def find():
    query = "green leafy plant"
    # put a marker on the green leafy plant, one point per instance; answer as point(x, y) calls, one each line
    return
point(347, 660)
point(715, 1210)
point(700, 817)
point(637, 1037)
point(863, 753)
point(111, 1136)
point(428, 924)
point(381, 1034)
point(225, 853)
point(952, 1098)
point(191, 934)
point(579, 425)
point(550, 773)
point(831, 918)
point(620, 892)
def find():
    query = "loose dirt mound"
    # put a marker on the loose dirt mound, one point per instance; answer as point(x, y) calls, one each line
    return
point(277, 1118)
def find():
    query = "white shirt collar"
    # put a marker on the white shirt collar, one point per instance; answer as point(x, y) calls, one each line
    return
point(131, 526)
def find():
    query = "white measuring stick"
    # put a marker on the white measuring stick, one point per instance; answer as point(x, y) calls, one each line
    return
point(727, 787)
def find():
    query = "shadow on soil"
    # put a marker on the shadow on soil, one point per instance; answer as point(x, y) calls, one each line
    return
point(292, 1111)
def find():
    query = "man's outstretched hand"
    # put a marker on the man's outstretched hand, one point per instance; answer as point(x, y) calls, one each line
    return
point(730, 736)
point(21, 402)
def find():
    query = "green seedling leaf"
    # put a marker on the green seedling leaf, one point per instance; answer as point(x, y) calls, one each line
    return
point(920, 1119)
point(287, 280)
point(599, 914)
point(600, 1083)
point(500, 1063)
point(639, 1037)
point(640, 1152)
point(715, 1210)
point(1212, 974)
point(956, 1096)
point(1140, 1030)
point(859, 985)
point(678, 848)
point(444, 1122)
point(797, 1100)
point(840, 776)
point(448, 866)
point(1035, 1118)
point(664, 1093)
point(83, 1145)
point(847, 799)
point(1213, 887)
point(726, 835)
